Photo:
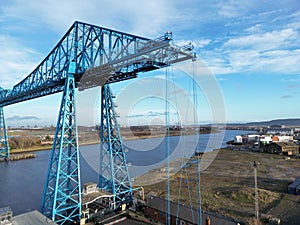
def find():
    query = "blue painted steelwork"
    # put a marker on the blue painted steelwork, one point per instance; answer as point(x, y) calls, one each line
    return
point(62, 192)
point(96, 52)
point(114, 176)
point(4, 147)
point(89, 56)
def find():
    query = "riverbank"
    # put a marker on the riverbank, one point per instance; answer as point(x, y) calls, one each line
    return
point(47, 147)
point(227, 185)
point(16, 157)
point(126, 136)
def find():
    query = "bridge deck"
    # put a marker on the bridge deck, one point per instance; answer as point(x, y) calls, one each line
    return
point(96, 56)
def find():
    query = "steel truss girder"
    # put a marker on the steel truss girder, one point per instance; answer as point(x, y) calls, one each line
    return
point(114, 176)
point(4, 146)
point(62, 192)
point(121, 55)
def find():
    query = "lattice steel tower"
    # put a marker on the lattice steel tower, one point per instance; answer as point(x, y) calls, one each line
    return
point(4, 147)
point(62, 192)
point(114, 176)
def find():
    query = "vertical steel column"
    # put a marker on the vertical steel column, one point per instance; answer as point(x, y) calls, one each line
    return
point(114, 176)
point(4, 147)
point(62, 192)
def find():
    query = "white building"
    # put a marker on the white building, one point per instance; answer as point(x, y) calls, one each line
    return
point(266, 140)
point(238, 139)
point(253, 137)
point(285, 138)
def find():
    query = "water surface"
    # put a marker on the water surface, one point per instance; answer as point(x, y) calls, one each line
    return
point(22, 182)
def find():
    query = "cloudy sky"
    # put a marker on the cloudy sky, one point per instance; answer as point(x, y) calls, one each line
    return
point(251, 47)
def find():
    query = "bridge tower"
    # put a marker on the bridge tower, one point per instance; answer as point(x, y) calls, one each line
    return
point(88, 56)
point(114, 176)
point(62, 192)
point(4, 147)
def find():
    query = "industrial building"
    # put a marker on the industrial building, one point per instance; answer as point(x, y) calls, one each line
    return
point(262, 139)
point(96, 202)
point(182, 214)
point(280, 131)
point(29, 218)
point(284, 148)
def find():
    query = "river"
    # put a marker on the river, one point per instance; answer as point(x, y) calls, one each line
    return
point(22, 182)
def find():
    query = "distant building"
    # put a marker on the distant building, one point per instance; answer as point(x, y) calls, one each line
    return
point(253, 137)
point(6, 215)
point(95, 202)
point(297, 136)
point(275, 138)
point(262, 140)
point(182, 214)
point(285, 138)
point(238, 139)
point(89, 188)
point(265, 140)
point(284, 148)
point(282, 138)
point(29, 218)
point(294, 188)
point(280, 131)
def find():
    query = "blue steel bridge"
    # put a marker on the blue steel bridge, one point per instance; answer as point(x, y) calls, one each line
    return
point(88, 56)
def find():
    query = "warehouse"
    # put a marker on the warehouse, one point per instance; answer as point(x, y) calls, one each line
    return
point(182, 214)
point(283, 148)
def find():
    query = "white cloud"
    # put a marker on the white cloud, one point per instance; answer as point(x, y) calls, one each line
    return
point(242, 60)
point(233, 8)
point(292, 79)
point(283, 61)
point(140, 17)
point(16, 61)
point(273, 61)
point(257, 51)
point(222, 79)
point(254, 29)
point(264, 41)
point(146, 18)
point(197, 43)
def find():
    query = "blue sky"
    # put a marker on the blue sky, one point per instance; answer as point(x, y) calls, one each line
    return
point(251, 47)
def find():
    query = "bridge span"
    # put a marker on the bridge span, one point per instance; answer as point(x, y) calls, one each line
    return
point(88, 56)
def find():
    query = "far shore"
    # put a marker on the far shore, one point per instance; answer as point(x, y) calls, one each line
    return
point(44, 148)
point(94, 142)
point(49, 147)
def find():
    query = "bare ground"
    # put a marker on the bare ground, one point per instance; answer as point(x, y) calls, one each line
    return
point(227, 184)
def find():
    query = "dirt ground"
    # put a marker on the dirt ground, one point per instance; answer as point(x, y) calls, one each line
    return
point(227, 184)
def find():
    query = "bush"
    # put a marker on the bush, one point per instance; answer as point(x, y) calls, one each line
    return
point(23, 142)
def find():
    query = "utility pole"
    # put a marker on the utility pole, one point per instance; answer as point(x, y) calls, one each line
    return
point(199, 202)
point(255, 166)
